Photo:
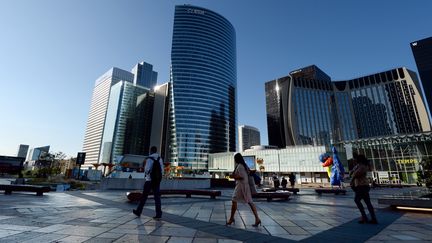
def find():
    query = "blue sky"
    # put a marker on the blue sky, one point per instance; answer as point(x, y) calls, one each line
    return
point(51, 52)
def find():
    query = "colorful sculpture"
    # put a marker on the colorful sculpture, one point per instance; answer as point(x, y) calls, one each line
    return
point(335, 169)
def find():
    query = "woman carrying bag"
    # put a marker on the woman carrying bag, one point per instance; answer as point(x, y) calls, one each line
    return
point(242, 191)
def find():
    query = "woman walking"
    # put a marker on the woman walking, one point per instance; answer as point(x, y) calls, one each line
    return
point(242, 191)
point(360, 185)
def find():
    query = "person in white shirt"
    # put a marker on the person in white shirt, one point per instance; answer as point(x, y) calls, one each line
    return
point(151, 183)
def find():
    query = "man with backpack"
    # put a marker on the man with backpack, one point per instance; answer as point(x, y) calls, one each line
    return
point(153, 175)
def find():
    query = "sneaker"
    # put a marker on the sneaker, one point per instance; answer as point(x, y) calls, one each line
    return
point(157, 217)
point(136, 213)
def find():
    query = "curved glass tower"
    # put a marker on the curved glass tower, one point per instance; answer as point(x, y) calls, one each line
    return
point(204, 81)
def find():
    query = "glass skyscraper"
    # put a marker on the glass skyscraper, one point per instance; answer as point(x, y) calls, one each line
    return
point(118, 98)
point(302, 110)
point(204, 80)
point(422, 51)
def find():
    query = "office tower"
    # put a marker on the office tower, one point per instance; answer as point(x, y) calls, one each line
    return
point(22, 151)
point(248, 137)
point(125, 115)
point(135, 121)
point(422, 51)
point(144, 75)
point(302, 111)
point(120, 121)
point(98, 111)
point(204, 80)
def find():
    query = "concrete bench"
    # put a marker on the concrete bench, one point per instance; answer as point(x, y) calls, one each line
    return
point(289, 189)
point(136, 195)
point(25, 188)
point(271, 195)
point(336, 191)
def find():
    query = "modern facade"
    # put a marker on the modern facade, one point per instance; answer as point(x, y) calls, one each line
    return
point(300, 160)
point(302, 110)
point(204, 80)
point(248, 137)
point(394, 159)
point(22, 151)
point(35, 153)
point(422, 50)
point(144, 75)
point(113, 107)
point(98, 111)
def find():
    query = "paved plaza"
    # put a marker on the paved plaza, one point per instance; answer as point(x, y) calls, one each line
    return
point(106, 216)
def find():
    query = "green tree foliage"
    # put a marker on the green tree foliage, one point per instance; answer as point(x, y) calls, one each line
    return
point(49, 164)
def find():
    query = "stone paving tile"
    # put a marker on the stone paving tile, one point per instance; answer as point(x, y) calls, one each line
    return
point(402, 236)
point(174, 239)
point(82, 231)
point(110, 235)
point(20, 237)
point(52, 228)
point(141, 238)
point(174, 231)
point(205, 240)
point(73, 239)
point(5, 233)
point(46, 238)
point(296, 230)
point(18, 227)
point(99, 240)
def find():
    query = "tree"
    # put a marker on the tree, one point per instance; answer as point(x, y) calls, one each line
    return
point(49, 163)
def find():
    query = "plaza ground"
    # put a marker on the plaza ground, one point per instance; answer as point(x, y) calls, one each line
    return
point(106, 216)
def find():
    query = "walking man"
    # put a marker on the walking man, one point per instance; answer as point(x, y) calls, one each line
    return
point(153, 176)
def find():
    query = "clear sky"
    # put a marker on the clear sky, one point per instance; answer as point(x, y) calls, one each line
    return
point(51, 53)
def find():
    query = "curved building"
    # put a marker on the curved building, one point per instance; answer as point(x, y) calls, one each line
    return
point(302, 109)
point(204, 80)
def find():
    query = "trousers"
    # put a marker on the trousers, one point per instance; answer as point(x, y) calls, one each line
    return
point(362, 192)
point(155, 187)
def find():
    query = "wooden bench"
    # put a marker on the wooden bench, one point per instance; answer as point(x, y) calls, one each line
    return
point(336, 191)
point(25, 188)
point(136, 195)
point(271, 195)
point(289, 189)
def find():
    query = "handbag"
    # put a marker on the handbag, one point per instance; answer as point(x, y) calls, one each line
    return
point(252, 185)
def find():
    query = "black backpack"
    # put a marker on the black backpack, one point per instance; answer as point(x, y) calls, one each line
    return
point(156, 172)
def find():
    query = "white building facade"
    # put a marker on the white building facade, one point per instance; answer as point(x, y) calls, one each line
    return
point(300, 160)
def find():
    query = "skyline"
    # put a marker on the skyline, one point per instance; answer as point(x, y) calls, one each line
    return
point(77, 43)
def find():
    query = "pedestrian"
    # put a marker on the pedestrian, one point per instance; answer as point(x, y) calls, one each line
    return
point(276, 182)
point(284, 182)
point(153, 176)
point(292, 179)
point(360, 185)
point(242, 191)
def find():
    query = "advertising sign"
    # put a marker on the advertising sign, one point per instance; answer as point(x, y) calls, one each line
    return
point(80, 158)
point(250, 162)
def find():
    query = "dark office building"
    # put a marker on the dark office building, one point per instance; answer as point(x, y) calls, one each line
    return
point(303, 110)
point(422, 51)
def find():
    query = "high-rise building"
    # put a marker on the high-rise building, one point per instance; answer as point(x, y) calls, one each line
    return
point(98, 112)
point(302, 110)
point(248, 137)
point(204, 80)
point(135, 121)
point(422, 50)
point(35, 153)
point(144, 75)
point(22, 151)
